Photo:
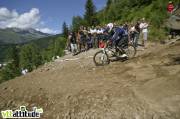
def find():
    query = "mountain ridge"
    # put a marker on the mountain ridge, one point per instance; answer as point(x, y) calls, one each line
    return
point(18, 36)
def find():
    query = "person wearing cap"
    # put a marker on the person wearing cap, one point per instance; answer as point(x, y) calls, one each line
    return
point(170, 7)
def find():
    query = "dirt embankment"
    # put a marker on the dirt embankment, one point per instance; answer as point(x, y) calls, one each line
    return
point(146, 87)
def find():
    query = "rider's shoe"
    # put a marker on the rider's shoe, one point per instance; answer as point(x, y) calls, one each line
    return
point(123, 56)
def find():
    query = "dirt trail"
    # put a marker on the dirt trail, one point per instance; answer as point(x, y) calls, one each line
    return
point(146, 87)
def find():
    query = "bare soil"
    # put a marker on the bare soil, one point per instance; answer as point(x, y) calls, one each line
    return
point(146, 87)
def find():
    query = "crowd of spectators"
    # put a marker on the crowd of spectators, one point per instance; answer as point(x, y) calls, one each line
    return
point(92, 37)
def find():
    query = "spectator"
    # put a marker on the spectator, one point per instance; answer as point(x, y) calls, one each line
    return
point(68, 47)
point(82, 39)
point(170, 7)
point(131, 33)
point(91, 32)
point(73, 43)
point(89, 39)
point(94, 37)
point(85, 30)
point(126, 29)
point(144, 28)
point(98, 35)
point(78, 40)
point(137, 33)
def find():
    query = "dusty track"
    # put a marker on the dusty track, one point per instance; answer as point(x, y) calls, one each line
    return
point(146, 87)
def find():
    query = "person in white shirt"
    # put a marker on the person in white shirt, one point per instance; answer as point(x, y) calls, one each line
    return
point(100, 31)
point(91, 31)
point(144, 28)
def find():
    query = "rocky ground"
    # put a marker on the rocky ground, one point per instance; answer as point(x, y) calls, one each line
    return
point(146, 87)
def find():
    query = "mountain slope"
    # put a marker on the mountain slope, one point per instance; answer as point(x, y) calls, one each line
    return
point(44, 42)
point(146, 87)
point(17, 36)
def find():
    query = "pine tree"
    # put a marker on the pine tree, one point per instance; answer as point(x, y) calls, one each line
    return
point(36, 56)
point(49, 51)
point(12, 69)
point(59, 46)
point(108, 4)
point(90, 13)
point(65, 30)
point(55, 48)
point(13, 55)
point(77, 21)
point(9, 72)
point(30, 57)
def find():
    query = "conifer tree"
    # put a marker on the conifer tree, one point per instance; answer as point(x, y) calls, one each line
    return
point(90, 13)
point(65, 30)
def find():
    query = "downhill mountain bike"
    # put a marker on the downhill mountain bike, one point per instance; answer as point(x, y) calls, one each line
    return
point(124, 50)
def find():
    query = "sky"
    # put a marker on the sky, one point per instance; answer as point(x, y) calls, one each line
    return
point(43, 15)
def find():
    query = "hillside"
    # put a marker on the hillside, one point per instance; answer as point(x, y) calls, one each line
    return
point(19, 36)
point(45, 42)
point(72, 87)
point(146, 87)
point(4, 51)
point(42, 43)
point(129, 12)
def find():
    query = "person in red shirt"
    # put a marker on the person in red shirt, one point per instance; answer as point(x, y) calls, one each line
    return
point(170, 7)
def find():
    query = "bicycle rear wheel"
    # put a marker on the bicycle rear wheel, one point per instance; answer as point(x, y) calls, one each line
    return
point(130, 51)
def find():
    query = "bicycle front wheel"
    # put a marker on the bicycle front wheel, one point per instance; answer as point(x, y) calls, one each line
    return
point(101, 58)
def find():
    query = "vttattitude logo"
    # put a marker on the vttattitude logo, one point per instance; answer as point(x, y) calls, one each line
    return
point(22, 113)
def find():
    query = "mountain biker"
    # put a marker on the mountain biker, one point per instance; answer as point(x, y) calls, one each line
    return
point(108, 31)
point(110, 26)
point(119, 34)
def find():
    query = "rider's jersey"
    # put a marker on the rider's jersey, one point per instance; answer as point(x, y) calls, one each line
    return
point(119, 33)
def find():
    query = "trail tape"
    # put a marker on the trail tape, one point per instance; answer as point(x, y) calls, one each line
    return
point(74, 59)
